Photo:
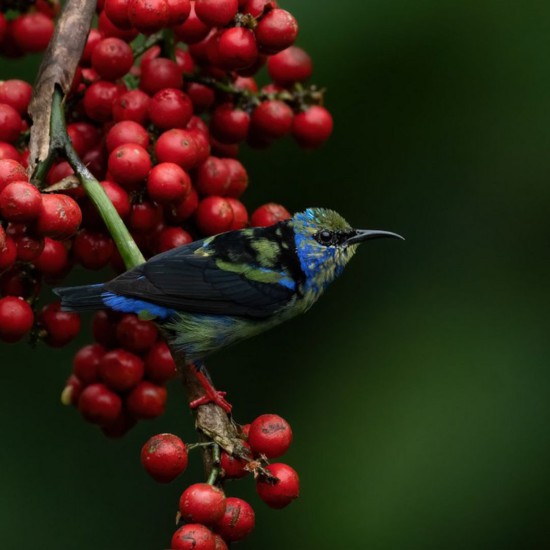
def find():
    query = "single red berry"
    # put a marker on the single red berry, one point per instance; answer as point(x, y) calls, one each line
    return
point(268, 214)
point(216, 13)
point(129, 165)
point(144, 217)
point(167, 182)
point(19, 282)
point(8, 252)
point(171, 237)
point(272, 119)
point(257, 7)
point(90, 134)
point(237, 48)
point(237, 522)
point(98, 100)
point(178, 11)
point(120, 426)
point(86, 363)
point(136, 335)
point(108, 29)
point(10, 123)
point(212, 177)
point(202, 503)
point(112, 58)
point(10, 171)
point(193, 30)
point(290, 66)
point(16, 319)
point(193, 536)
point(94, 38)
point(117, 12)
point(240, 214)
point(178, 146)
point(158, 74)
point(160, 366)
point(32, 31)
point(238, 178)
point(29, 247)
point(20, 202)
point(132, 105)
point(201, 140)
point(276, 30)
point(284, 491)
point(229, 124)
point(126, 131)
point(270, 435)
point(312, 127)
point(146, 400)
point(201, 96)
point(99, 405)
point(59, 218)
point(16, 94)
point(104, 328)
point(148, 16)
point(54, 258)
point(8, 151)
point(120, 369)
point(164, 457)
point(61, 326)
point(214, 215)
point(234, 467)
point(170, 108)
point(220, 543)
point(184, 209)
point(93, 250)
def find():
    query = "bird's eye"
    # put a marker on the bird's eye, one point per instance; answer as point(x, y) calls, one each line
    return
point(325, 237)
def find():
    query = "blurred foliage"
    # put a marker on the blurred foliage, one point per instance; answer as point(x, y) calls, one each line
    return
point(418, 387)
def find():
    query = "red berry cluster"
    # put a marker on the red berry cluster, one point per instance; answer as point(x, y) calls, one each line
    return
point(27, 27)
point(212, 520)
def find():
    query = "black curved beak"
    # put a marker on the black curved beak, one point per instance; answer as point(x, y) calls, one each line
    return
point(368, 234)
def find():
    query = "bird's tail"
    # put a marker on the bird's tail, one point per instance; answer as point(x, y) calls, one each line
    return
point(81, 298)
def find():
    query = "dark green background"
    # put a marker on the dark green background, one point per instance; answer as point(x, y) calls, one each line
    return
point(418, 387)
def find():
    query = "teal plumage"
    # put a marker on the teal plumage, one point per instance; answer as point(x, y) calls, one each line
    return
point(223, 289)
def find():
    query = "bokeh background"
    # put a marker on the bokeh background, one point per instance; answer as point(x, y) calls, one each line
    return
point(418, 388)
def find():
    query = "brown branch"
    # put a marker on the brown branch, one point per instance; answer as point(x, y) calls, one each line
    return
point(57, 70)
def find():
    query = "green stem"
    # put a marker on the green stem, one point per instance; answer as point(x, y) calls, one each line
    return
point(168, 44)
point(60, 141)
point(216, 459)
point(139, 49)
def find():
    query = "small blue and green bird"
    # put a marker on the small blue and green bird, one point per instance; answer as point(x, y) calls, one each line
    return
point(217, 291)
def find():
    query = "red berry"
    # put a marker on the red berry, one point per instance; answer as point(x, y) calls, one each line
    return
point(245, 430)
point(178, 11)
point(10, 171)
point(61, 326)
point(228, 124)
point(178, 146)
point(148, 16)
point(202, 503)
point(272, 119)
point(290, 66)
point(32, 31)
point(129, 165)
point(170, 108)
point(220, 543)
point(99, 405)
point(126, 131)
point(93, 250)
point(59, 218)
point(257, 7)
point(104, 328)
point(146, 400)
point(164, 457)
point(19, 282)
point(144, 217)
point(8, 151)
point(214, 215)
point(120, 369)
point(167, 182)
point(312, 127)
point(112, 58)
point(86, 363)
point(201, 96)
point(158, 74)
point(212, 177)
point(270, 435)
point(108, 29)
point(160, 366)
point(234, 467)
point(120, 425)
point(16, 94)
point(237, 48)
point(276, 30)
point(240, 214)
point(268, 214)
point(238, 520)
point(172, 237)
point(184, 209)
point(29, 247)
point(216, 13)
point(136, 335)
point(10, 123)
point(20, 202)
point(193, 537)
point(193, 30)
point(94, 38)
point(8, 252)
point(132, 105)
point(284, 491)
point(53, 259)
point(98, 100)
point(238, 178)
point(16, 319)
point(117, 12)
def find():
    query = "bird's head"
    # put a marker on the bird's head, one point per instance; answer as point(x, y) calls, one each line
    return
point(325, 242)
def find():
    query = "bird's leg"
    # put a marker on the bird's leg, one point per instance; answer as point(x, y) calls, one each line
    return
point(211, 395)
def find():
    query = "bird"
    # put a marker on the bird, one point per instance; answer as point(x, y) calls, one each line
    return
point(214, 292)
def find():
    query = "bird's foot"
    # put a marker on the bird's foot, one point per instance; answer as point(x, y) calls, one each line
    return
point(211, 395)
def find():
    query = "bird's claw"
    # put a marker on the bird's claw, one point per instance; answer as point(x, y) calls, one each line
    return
point(216, 397)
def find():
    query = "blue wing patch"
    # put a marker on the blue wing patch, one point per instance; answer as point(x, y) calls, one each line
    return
point(133, 305)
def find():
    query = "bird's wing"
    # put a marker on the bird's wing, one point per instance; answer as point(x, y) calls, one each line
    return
point(195, 279)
